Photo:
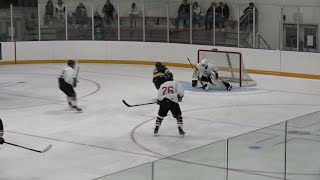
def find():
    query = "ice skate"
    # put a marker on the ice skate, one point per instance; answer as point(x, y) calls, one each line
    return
point(156, 129)
point(79, 110)
point(181, 132)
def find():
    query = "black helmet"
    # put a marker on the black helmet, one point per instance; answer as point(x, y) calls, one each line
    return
point(158, 64)
point(71, 63)
point(169, 76)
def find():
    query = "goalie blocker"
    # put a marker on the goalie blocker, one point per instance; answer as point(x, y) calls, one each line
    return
point(207, 73)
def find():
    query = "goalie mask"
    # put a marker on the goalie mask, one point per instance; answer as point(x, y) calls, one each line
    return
point(204, 63)
point(71, 63)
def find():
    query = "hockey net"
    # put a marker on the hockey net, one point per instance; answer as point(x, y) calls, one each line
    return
point(230, 66)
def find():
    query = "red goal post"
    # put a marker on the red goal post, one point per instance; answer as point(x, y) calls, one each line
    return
point(230, 66)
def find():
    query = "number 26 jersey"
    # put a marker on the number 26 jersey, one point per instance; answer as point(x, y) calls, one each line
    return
point(170, 90)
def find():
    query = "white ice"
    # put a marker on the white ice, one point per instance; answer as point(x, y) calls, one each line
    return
point(108, 136)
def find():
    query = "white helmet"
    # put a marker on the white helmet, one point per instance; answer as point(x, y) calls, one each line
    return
point(204, 63)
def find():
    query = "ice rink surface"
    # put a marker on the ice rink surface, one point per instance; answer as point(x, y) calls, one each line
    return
point(108, 136)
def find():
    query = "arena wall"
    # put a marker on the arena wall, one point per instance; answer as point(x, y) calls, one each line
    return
point(274, 62)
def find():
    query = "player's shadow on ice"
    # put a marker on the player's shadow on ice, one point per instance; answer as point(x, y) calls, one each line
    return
point(188, 87)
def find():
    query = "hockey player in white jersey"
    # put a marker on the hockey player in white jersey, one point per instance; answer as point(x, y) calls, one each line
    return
point(67, 81)
point(169, 94)
point(208, 73)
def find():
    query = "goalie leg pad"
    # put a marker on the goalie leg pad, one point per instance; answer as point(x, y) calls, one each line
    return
point(217, 82)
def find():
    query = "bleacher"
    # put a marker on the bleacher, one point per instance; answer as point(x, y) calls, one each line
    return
point(156, 24)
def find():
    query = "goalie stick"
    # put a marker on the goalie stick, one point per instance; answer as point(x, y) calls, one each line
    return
point(133, 105)
point(197, 76)
point(38, 151)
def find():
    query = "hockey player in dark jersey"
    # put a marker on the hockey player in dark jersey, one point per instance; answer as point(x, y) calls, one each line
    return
point(160, 73)
point(1, 132)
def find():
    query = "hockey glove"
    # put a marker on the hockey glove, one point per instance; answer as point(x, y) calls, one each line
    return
point(75, 81)
point(1, 140)
point(158, 102)
point(179, 98)
point(217, 75)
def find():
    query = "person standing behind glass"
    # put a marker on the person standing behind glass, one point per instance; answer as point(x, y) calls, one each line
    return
point(108, 10)
point(183, 13)
point(48, 17)
point(196, 16)
point(60, 12)
point(81, 20)
point(133, 13)
point(208, 20)
point(222, 15)
point(98, 28)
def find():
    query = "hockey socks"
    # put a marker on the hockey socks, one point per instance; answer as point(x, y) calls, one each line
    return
point(158, 124)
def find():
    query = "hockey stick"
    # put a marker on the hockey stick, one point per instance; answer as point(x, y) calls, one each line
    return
point(42, 151)
point(124, 102)
point(197, 76)
point(77, 72)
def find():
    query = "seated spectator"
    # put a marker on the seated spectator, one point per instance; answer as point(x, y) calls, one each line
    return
point(183, 14)
point(81, 20)
point(133, 13)
point(196, 14)
point(97, 18)
point(108, 10)
point(98, 31)
point(248, 16)
point(60, 12)
point(208, 20)
point(222, 15)
point(48, 17)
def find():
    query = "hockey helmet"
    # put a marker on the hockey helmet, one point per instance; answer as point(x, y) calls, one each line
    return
point(71, 63)
point(158, 64)
point(204, 63)
point(169, 76)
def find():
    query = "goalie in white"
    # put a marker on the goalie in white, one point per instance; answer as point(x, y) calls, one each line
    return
point(206, 73)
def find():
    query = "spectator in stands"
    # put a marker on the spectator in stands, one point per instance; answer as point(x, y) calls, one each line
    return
point(247, 17)
point(183, 14)
point(133, 13)
point(48, 17)
point(98, 28)
point(60, 12)
point(196, 14)
point(208, 20)
point(108, 10)
point(81, 20)
point(222, 15)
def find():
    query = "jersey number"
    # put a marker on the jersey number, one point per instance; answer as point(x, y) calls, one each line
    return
point(167, 90)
